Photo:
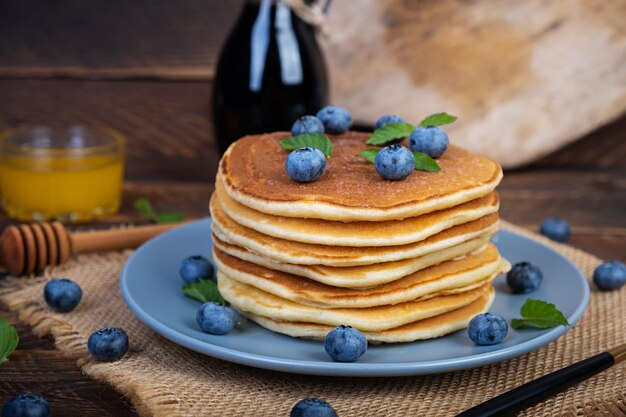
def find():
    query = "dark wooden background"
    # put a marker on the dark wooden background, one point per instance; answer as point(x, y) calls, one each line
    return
point(146, 69)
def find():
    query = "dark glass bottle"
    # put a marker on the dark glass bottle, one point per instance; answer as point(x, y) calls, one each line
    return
point(270, 72)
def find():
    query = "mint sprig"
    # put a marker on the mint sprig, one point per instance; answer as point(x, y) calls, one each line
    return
point(540, 315)
point(144, 207)
point(438, 119)
point(313, 140)
point(204, 290)
point(423, 162)
point(8, 340)
point(389, 132)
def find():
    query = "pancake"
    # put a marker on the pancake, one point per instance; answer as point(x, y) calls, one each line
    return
point(357, 276)
point(250, 299)
point(423, 329)
point(288, 251)
point(252, 170)
point(357, 233)
point(448, 276)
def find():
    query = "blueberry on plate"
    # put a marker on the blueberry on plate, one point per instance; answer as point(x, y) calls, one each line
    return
point(26, 405)
point(487, 329)
point(524, 277)
point(610, 275)
point(345, 344)
point(307, 124)
point(108, 344)
point(215, 318)
point(305, 164)
point(195, 268)
point(394, 162)
point(62, 294)
point(335, 119)
point(386, 119)
point(429, 140)
point(555, 229)
point(312, 407)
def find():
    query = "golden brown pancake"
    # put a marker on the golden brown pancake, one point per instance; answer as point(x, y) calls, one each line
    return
point(253, 173)
point(423, 329)
point(448, 276)
point(357, 233)
point(288, 251)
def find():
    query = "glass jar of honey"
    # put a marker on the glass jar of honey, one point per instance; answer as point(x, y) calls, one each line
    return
point(72, 174)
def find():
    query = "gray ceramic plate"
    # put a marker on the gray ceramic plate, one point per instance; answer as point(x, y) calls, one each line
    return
point(151, 286)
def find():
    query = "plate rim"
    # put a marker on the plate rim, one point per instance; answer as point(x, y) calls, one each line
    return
point(354, 369)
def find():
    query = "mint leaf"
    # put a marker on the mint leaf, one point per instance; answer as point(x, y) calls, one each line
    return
point(8, 340)
point(313, 140)
point(539, 314)
point(204, 290)
point(144, 207)
point(423, 162)
point(389, 132)
point(438, 119)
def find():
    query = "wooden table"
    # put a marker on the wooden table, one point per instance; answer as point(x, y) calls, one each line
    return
point(163, 109)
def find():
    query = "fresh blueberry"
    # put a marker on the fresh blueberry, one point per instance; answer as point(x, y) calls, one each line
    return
point(312, 407)
point(487, 329)
point(108, 344)
point(345, 344)
point(429, 140)
point(609, 276)
point(307, 124)
point(335, 119)
point(195, 268)
point(524, 277)
point(555, 229)
point(214, 318)
point(389, 118)
point(394, 162)
point(26, 405)
point(305, 164)
point(62, 294)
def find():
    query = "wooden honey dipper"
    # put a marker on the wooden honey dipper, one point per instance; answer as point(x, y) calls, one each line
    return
point(29, 248)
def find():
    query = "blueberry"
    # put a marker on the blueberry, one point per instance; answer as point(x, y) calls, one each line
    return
point(394, 162)
point(487, 329)
point(312, 407)
point(108, 344)
point(305, 164)
point(195, 268)
point(555, 229)
point(609, 276)
point(214, 318)
point(345, 344)
point(524, 277)
point(389, 118)
point(307, 124)
point(62, 294)
point(26, 405)
point(335, 119)
point(430, 140)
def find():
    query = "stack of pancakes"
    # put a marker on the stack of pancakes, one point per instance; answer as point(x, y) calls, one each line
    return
point(399, 260)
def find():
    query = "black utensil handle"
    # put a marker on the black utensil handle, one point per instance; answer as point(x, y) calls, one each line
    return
point(534, 391)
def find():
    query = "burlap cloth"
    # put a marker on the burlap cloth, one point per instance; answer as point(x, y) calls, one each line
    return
point(163, 379)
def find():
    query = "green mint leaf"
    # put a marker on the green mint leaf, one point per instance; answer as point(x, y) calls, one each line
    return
point(144, 207)
point(8, 340)
point(313, 140)
point(539, 314)
point(438, 119)
point(423, 162)
point(204, 290)
point(369, 154)
point(389, 132)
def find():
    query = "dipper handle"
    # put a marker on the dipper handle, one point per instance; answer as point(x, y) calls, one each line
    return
point(115, 239)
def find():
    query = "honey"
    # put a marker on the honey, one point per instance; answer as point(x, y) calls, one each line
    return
point(73, 175)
